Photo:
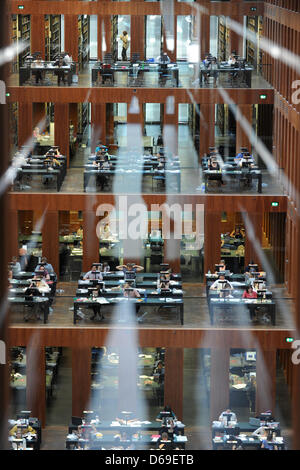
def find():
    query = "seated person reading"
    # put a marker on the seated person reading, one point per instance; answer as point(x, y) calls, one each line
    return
point(130, 270)
point(31, 292)
point(93, 274)
point(164, 442)
point(219, 283)
point(165, 413)
point(249, 293)
point(43, 273)
point(225, 291)
point(237, 233)
point(225, 418)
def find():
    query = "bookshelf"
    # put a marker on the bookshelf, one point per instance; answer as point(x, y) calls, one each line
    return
point(52, 36)
point(83, 40)
point(223, 39)
point(253, 54)
point(20, 31)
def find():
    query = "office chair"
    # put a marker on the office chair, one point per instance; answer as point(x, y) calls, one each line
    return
point(106, 73)
point(160, 179)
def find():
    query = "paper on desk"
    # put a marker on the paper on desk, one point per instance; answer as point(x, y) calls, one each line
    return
point(102, 300)
point(239, 386)
point(115, 423)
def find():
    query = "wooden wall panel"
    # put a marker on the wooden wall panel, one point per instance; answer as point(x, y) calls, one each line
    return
point(37, 35)
point(145, 95)
point(13, 244)
point(90, 240)
point(71, 35)
point(62, 129)
point(36, 379)
point(98, 123)
point(266, 339)
point(212, 239)
point(219, 381)
point(50, 242)
point(174, 380)
point(81, 378)
point(265, 381)
point(78, 7)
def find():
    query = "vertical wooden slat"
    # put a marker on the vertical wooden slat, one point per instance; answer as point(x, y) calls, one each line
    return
point(81, 379)
point(62, 129)
point(36, 380)
point(174, 380)
point(219, 381)
point(50, 240)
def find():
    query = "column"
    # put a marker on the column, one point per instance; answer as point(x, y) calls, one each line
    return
point(71, 36)
point(39, 114)
point(242, 138)
point(37, 35)
point(212, 239)
point(173, 394)
point(50, 239)
point(235, 39)
point(24, 123)
point(207, 128)
point(73, 114)
point(36, 379)
point(253, 238)
point(265, 380)
point(219, 381)
point(137, 33)
point(296, 367)
point(98, 123)
point(62, 129)
point(90, 240)
point(81, 379)
point(204, 35)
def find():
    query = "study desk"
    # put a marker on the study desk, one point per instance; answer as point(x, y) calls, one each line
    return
point(240, 175)
point(147, 284)
point(269, 305)
point(43, 172)
point(244, 74)
point(42, 302)
point(112, 441)
point(130, 427)
point(149, 302)
point(134, 71)
point(132, 175)
point(26, 71)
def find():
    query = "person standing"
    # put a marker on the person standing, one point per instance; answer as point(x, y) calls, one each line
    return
point(125, 40)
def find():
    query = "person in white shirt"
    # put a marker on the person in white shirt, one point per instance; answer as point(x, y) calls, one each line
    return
point(223, 416)
point(93, 274)
point(219, 283)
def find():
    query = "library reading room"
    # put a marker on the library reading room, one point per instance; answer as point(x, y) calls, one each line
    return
point(150, 192)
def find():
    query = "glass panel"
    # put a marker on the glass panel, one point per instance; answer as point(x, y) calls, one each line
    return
point(153, 36)
point(184, 35)
point(242, 383)
point(151, 378)
point(104, 382)
point(196, 393)
point(58, 364)
point(70, 244)
point(93, 36)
